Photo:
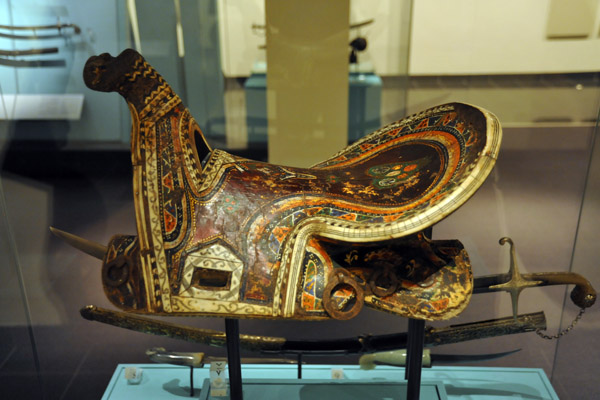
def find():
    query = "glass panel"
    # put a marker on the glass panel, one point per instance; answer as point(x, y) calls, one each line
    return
point(546, 98)
point(19, 364)
point(574, 368)
point(66, 162)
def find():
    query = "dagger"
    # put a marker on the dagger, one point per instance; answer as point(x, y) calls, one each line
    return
point(398, 358)
point(198, 360)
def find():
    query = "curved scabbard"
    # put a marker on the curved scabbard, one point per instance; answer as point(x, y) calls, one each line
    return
point(160, 328)
point(353, 345)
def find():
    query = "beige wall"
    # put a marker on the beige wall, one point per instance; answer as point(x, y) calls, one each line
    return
point(470, 37)
point(459, 37)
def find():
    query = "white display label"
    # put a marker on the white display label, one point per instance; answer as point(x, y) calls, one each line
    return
point(337, 373)
point(218, 380)
point(133, 375)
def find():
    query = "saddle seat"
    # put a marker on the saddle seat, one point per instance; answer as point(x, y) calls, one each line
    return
point(223, 235)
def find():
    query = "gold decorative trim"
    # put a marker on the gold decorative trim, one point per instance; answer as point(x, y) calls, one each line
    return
point(154, 217)
point(138, 194)
point(190, 306)
point(213, 170)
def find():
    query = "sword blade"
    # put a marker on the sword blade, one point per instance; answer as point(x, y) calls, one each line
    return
point(469, 358)
point(87, 246)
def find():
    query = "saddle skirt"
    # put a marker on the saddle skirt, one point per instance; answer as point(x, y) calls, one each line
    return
point(221, 235)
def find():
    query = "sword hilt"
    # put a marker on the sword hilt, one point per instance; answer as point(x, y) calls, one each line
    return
point(583, 295)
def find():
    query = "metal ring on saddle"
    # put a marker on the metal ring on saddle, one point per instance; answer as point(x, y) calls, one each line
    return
point(341, 277)
point(389, 277)
point(116, 272)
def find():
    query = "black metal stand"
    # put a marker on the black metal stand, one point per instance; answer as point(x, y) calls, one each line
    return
point(299, 365)
point(414, 351)
point(232, 330)
point(414, 358)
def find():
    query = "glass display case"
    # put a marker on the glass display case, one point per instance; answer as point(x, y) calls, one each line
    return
point(282, 82)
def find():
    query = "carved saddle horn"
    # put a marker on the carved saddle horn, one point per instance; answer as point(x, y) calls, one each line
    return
point(220, 235)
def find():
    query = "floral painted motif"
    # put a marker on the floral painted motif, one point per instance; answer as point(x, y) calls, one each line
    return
point(392, 175)
point(230, 204)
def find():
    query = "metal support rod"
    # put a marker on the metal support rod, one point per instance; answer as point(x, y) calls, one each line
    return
point(416, 333)
point(300, 365)
point(232, 330)
point(191, 381)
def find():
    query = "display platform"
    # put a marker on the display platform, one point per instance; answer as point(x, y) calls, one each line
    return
point(298, 389)
point(167, 382)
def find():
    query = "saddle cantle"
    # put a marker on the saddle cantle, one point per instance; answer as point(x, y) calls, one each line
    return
point(221, 235)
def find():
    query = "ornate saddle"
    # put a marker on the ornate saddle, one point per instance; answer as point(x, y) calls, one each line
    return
point(220, 235)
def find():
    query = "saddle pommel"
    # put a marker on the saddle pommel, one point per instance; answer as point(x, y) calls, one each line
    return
point(128, 74)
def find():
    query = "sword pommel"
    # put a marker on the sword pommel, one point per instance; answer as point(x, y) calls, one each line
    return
point(583, 296)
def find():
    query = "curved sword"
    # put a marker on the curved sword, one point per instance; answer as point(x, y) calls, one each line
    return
point(343, 346)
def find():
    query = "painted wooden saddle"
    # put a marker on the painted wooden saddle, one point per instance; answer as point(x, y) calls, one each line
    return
point(221, 235)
